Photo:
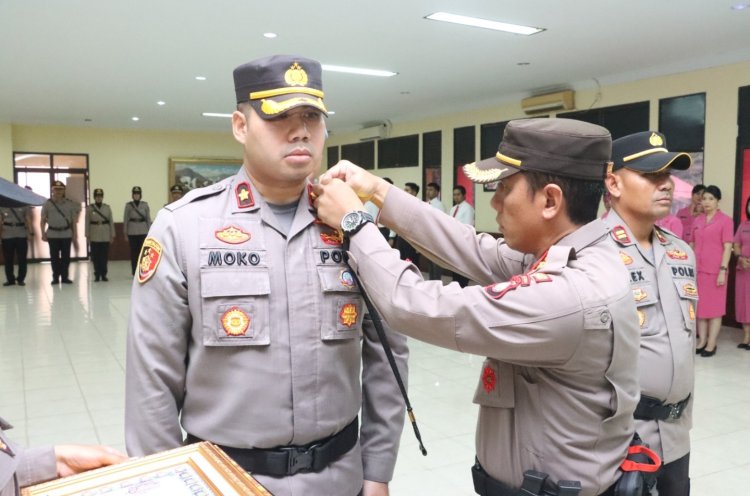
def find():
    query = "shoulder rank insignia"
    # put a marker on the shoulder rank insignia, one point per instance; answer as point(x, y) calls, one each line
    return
point(346, 278)
point(621, 235)
point(149, 259)
point(662, 239)
point(677, 255)
point(310, 195)
point(641, 318)
point(332, 237)
point(626, 259)
point(244, 195)
point(497, 291)
point(235, 322)
point(639, 294)
point(539, 263)
point(232, 235)
point(6, 449)
point(348, 314)
point(489, 379)
point(690, 289)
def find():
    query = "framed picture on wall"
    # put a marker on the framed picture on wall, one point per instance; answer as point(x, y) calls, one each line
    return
point(193, 173)
point(684, 180)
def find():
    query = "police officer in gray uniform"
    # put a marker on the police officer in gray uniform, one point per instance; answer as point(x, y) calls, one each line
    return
point(100, 231)
point(15, 227)
point(136, 220)
point(59, 226)
point(662, 275)
point(558, 325)
point(247, 328)
point(22, 467)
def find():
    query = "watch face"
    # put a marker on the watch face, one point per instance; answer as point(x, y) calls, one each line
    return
point(350, 221)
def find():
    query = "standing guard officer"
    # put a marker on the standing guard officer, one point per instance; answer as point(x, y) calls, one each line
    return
point(176, 192)
point(558, 325)
point(100, 231)
point(135, 224)
point(15, 231)
point(247, 328)
point(662, 275)
point(59, 227)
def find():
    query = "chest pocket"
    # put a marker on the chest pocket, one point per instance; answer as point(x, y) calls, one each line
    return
point(688, 292)
point(342, 309)
point(235, 307)
point(495, 388)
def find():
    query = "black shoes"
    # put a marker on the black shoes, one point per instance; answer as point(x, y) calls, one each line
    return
point(104, 278)
point(743, 346)
point(706, 353)
point(699, 351)
point(96, 279)
point(21, 283)
point(67, 281)
point(55, 281)
point(9, 283)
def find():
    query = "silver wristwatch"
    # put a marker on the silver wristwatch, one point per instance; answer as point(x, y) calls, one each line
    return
point(354, 220)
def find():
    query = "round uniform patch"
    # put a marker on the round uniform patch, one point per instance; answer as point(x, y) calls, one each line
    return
point(348, 314)
point(346, 278)
point(489, 379)
point(149, 259)
point(235, 322)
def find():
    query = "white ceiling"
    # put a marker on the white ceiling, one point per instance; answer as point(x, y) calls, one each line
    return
point(64, 61)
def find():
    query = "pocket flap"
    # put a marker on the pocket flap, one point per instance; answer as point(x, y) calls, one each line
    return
point(254, 282)
point(495, 388)
point(337, 278)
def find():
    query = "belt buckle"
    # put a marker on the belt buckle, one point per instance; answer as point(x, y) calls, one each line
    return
point(675, 411)
point(300, 459)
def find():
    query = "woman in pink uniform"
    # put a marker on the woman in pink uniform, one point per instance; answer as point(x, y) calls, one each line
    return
point(712, 242)
point(742, 281)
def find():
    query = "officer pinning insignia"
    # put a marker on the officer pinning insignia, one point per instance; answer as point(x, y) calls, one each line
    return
point(639, 294)
point(677, 255)
point(149, 259)
point(346, 278)
point(232, 235)
point(662, 239)
point(348, 314)
point(626, 259)
point(235, 322)
point(244, 195)
point(641, 318)
point(690, 289)
point(489, 379)
point(621, 235)
point(332, 237)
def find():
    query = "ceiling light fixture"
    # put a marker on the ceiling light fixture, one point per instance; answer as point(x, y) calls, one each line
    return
point(136, 119)
point(200, 78)
point(356, 70)
point(483, 23)
point(270, 35)
point(161, 102)
point(215, 114)
point(740, 6)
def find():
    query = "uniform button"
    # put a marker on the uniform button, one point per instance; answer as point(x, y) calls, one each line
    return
point(605, 317)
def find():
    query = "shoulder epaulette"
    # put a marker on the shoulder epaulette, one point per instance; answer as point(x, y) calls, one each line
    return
point(199, 194)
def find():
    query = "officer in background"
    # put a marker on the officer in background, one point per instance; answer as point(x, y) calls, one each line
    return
point(100, 231)
point(246, 326)
point(23, 467)
point(15, 232)
point(59, 227)
point(176, 192)
point(558, 325)
point(662, 275)
point(135, 224)
point(464, 213)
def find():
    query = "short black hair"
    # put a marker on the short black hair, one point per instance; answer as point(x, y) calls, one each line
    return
point(388, 180)
point(713, 190)
point(413, 186)
point(434, 185)
point(461, 189)
point(582, 197)
point(698, 188)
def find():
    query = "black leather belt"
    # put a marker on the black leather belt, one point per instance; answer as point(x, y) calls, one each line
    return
point(652, 409)
point(289, 460)
point(57, 228)
point(534, 484)
point(137, 220)
point(14, 224)
point(98, 223)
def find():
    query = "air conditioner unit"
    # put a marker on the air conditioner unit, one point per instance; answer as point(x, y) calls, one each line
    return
point(370, 133)
point(560, 100)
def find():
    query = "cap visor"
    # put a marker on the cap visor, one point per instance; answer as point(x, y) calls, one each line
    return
point(488, 170)
point(12, 195)
point(270, 108)
point(660, 162)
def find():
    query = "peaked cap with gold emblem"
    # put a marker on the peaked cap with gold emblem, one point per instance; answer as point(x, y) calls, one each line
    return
point(276, 84)
point(563, 147)
point(646, 152)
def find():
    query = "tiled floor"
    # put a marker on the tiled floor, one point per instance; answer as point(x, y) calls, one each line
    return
point(62, 356)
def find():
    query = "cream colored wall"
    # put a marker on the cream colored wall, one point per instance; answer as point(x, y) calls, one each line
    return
point(720, 84)
point(6, 152)
point(120, 159)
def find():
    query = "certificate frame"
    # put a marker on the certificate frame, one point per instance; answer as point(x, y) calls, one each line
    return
point(200, 469)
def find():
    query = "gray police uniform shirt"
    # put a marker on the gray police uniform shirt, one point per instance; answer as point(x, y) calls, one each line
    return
point(665, 292)
point(14, 222)
point(20, 467)
point(286, 370)
point(100, 228)
point(60, 219)
point(136, 220)
point(559, 385)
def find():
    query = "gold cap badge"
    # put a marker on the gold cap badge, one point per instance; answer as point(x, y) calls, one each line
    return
point(295, 76)
point(655, 140)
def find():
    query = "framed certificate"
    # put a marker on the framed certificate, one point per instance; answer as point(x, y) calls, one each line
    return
point(199, 469)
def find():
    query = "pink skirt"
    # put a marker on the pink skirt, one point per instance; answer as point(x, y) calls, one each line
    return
point(712, 299)
point(742, 296)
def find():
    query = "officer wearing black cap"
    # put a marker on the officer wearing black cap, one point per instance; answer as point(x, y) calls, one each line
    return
point(100, 231)
point(59, 227)
point(176, 192)
point(246, 325)
point(135, 224)
point(15, 230)
point(663, 278)
point(553, 314)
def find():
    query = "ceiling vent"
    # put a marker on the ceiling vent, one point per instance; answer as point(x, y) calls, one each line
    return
point(378, 131)
point(559, 100)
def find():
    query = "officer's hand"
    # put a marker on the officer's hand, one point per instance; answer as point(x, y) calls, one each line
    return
point(372, 488)
point(73, 459)
point(368, 186)
point(333, 200)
